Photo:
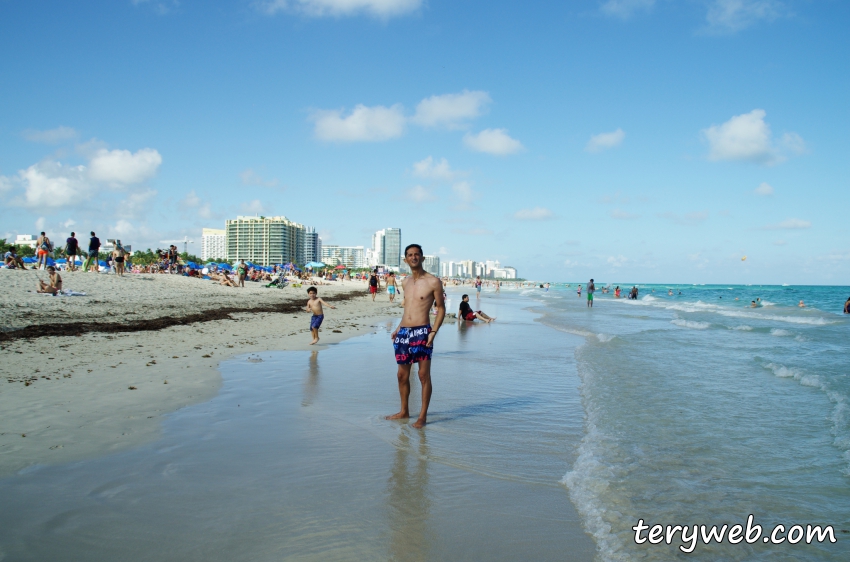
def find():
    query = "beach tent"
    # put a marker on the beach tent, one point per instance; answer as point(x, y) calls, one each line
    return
point(314, 265)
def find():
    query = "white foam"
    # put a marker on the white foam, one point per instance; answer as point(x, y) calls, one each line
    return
point(778, 332)
point(690, 324)
point(743, 328)
point(605, 338)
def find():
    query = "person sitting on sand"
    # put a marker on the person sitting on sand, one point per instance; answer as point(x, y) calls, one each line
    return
point(465, 311)
point(55, 282)
point(314, 305)
point(13, 260)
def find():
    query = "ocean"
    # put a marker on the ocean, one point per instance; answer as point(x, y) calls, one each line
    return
point(552, 432)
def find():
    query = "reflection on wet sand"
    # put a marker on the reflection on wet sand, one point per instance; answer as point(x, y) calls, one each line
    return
point(311, 384)
point(408, 503)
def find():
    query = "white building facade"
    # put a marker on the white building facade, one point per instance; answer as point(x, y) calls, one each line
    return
point(349, 256)
point(213, 244)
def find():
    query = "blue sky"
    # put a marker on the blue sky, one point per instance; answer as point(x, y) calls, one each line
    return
point(626, 140)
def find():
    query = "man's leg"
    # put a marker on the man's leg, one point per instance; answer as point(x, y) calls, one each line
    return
point(404, 392)
point(425, 379)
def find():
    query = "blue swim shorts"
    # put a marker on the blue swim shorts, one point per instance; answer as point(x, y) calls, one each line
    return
point(409, 344)
point(316, 321)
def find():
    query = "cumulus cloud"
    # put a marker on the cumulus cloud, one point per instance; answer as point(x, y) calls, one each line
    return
point(748, 138)
point(336, 8)
point(625, 9)
point(451, 110)
point(623, 215)
point(250, 177)
point(51, 136)
point(52, 184)
point(789, 224)
point(493, 141)
point(764, 189)
point(254, 207)
point(729, 16)
point(377, 123)
point(430, 169)
point(121, 167)
point(420, 194)
point(604, 141)
point(535, 214)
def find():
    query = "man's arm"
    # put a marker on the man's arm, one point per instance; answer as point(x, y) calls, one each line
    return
point(326, 304)
point(440, 303)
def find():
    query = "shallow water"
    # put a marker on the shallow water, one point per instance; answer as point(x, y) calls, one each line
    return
point(293, 460)
point(702, 410)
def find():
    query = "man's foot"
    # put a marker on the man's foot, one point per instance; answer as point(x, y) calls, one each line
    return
point(315, 341)
point(419, 424)
point(399, 416)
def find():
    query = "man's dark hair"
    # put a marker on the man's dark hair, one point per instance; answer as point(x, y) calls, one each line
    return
point(591, 280)
point(409, 246)
point(92, 233)
point(73, 234)
point(464, 297)
point(312, 290)
point(42, 234)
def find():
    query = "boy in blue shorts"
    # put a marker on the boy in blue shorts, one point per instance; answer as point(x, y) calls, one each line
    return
point(314, 305)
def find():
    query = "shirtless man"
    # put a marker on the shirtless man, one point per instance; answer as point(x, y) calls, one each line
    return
point(314, 305)
point(392, 286)
point(55, 282)
point(413, 340)
point(118, 255)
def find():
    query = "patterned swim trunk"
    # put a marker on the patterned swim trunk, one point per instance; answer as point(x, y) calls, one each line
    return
point(316, 321)
point(409, 344)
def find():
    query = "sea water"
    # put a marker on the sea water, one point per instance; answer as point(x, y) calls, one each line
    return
point(552, 432)
point(703, 410)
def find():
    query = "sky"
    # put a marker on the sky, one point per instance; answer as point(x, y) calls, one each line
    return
point(626, 140)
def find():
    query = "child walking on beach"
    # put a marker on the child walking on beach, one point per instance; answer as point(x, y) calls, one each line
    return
point(314, 305)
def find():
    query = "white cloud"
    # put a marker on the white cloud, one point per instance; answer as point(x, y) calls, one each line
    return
point(198, 206)
point(604, 141)
point(321, 8)
point(625, 8)
point(623, 215)
point(250, 177)
point(748, 138)
point(51, 136)
point(51, 184)
point(121, 167)
point(789, 224)
point(729, 16)
point(69, 223)
point(464, 194)
point(764, 189)
point(39, 224)
point(451, 110)
point(254, 207)
point(363, 124)
point(493, 141)
point(5, 184)
point(535, 214)
point(617, 261)
point(427, 168)
point(420, 194)
point(443, 251)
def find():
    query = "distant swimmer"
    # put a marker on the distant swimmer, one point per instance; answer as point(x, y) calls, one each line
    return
point(670, 292)
point(801, 305)
point(752, 304)
point(547, 287)
point(579, 291)
point(590, 288)
point(466, 313)
point(617, 292)
point(847, 306)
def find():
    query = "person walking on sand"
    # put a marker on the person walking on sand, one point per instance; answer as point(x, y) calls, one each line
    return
point(590, 288)
point(413, 339)
point(314, 305)
point(118, 255)
point(478, 287)
point(392, 286)
point(94, 247)
point(72, 248)
point(44, 249)
point(373, 283)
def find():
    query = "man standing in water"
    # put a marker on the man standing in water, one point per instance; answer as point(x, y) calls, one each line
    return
point(590, 288)
point(413, 340)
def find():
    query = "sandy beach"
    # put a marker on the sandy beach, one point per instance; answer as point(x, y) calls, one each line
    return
point(94, 373)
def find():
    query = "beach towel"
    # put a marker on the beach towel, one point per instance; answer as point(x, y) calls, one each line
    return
point(65, 293)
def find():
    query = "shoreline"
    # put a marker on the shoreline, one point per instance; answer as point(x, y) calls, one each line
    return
point(85, 389)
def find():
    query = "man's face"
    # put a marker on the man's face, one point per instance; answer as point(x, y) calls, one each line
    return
point(413, 257)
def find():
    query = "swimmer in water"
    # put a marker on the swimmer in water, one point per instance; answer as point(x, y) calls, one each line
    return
point(801, 305)
point(753, 304)
point(847, 306)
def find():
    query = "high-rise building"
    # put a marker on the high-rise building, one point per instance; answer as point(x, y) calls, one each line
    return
point(506, 272)
point(213, 244)
point(349, 256)
point(312, 246)
point(265, 240)
point(431, 264)
point(386, 247)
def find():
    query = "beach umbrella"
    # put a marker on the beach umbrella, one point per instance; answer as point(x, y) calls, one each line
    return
point(314, 265)
point(29, 260)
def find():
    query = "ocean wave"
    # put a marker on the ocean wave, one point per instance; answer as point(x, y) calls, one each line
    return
point(605, 338)
point(743, 328)
point(779, 332)
point(690, 324)
point(725, 310)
